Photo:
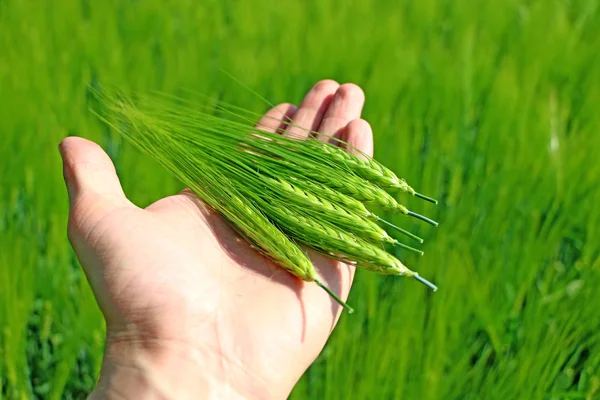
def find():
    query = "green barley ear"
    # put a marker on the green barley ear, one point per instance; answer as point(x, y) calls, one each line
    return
point(360, 223)
point(372, 170)
point(346, 202)
point(349, 184)
point(365, 166)
point(323, 236)
point(342, 218)
point(275, 191)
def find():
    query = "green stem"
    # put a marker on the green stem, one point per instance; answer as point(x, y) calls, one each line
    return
point(404, 231)
point(426, 198)
point(422, 218)
point(397, 243)
point(425, 282)
point(335, 296)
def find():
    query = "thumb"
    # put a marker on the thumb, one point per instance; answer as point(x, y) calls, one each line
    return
point(94, 193)
point(90, 175)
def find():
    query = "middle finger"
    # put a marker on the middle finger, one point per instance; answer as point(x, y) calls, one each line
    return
point(310, 113)
point(346, 106)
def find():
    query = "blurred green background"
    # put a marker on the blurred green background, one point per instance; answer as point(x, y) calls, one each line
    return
point(490, 106)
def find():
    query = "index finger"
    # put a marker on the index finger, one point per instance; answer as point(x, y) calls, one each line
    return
point(277, 118)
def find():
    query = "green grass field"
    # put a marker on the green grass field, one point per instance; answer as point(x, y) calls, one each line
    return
point(493, 107)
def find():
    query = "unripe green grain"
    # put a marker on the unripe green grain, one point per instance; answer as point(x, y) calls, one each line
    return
point(280, 247)
point(366, 168)
point(276, 191)
point(338, 215)
point(350, 185)
point(352, 205)
point(325, 237)
point(355, 219)
point(325, 192)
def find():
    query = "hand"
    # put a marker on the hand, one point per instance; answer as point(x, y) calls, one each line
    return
point(186, 319)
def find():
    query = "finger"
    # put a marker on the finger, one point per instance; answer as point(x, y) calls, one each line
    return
point(346, 106)
point(311, 110)
point(88, 171)
point(359, 136)
point(277, 118)
point(92, 184)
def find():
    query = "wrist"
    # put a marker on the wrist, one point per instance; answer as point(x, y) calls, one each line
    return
point(157, 370)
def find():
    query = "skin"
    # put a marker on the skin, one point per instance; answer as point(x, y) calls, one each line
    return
point(187, 318)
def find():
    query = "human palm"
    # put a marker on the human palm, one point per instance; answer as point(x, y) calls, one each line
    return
point(180, 289)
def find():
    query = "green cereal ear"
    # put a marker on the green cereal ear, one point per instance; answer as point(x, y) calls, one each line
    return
point(277, 192)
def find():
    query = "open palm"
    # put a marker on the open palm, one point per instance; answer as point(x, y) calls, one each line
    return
point(181, 291)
